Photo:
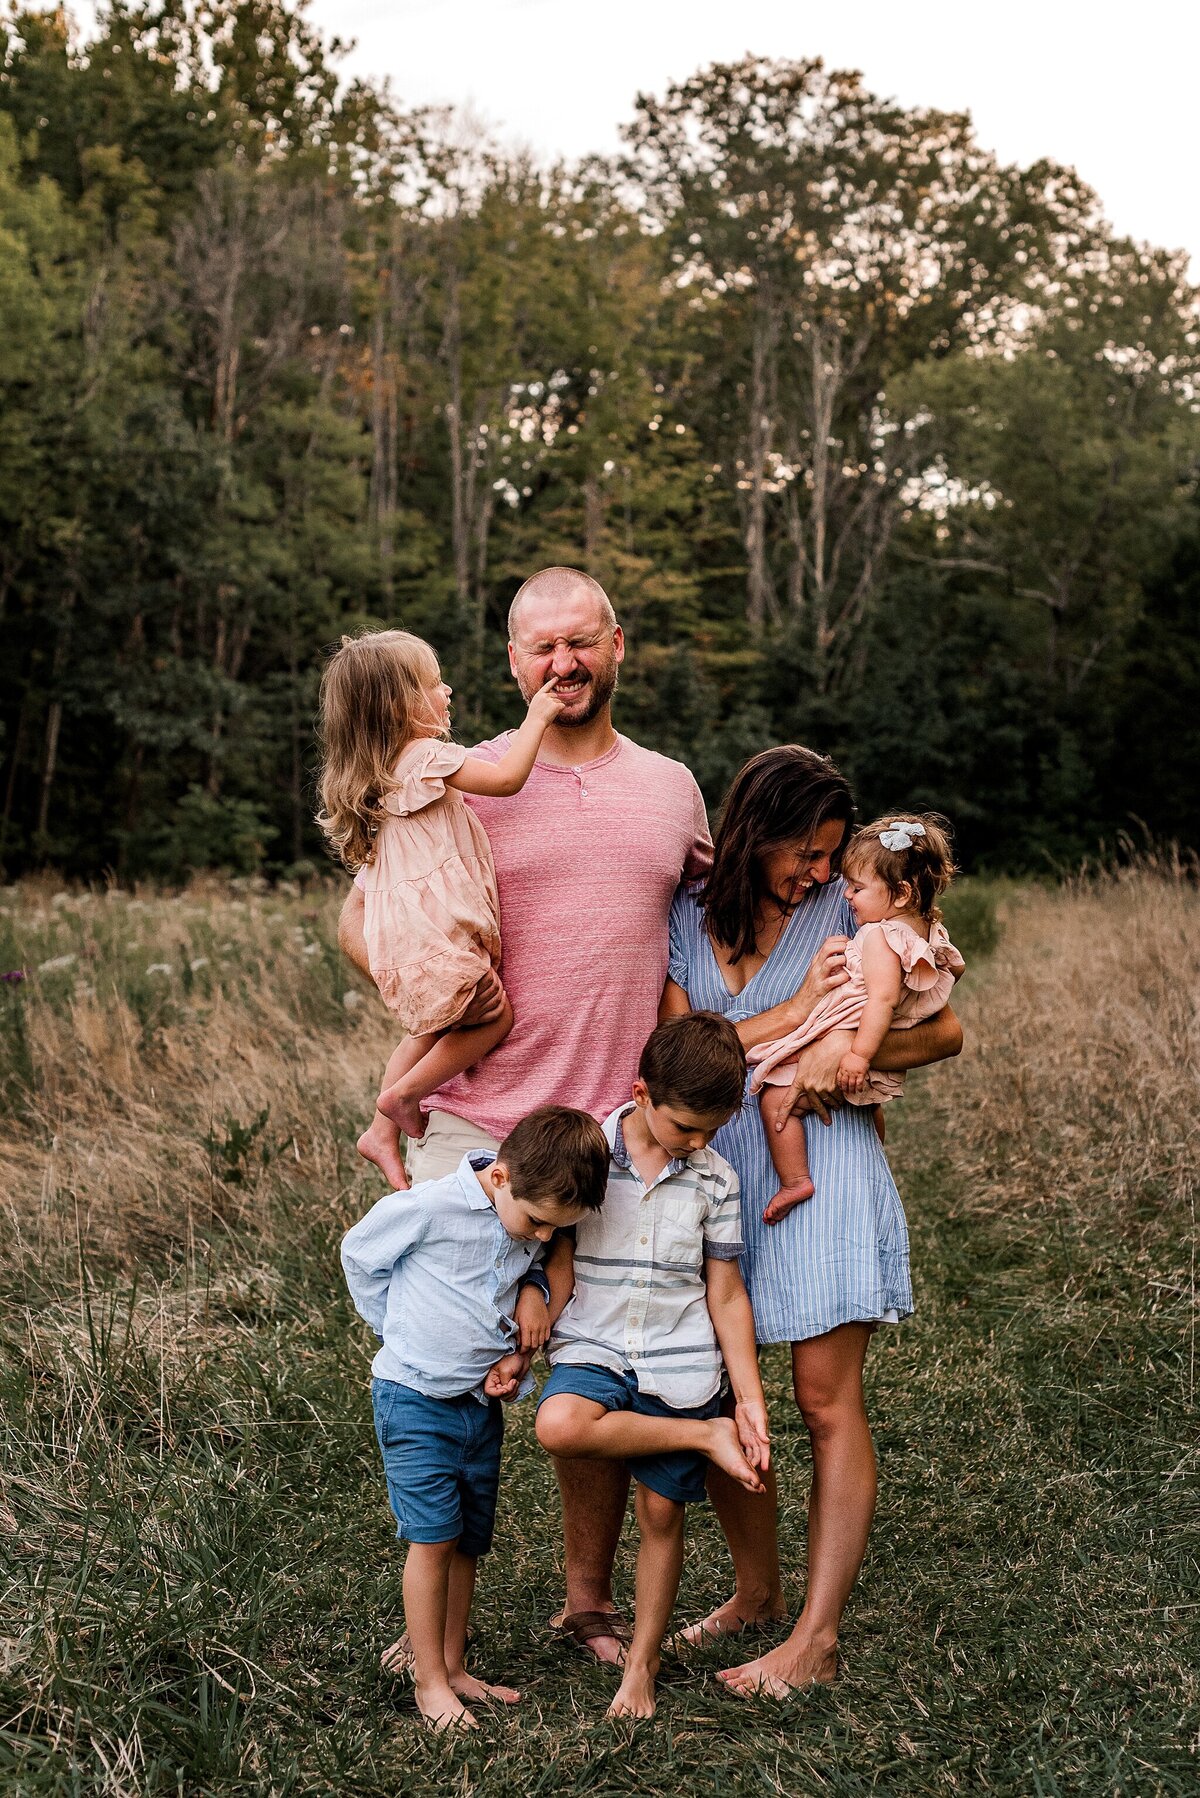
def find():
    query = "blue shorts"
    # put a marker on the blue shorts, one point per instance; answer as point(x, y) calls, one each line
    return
point(441, 1457)
point(677, 1475)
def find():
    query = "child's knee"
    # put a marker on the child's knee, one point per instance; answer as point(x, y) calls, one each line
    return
point(558, 1425)
point(657, 1515)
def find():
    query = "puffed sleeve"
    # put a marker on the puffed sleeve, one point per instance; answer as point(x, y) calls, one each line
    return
point(681, 934)
point(917, 958)
point(421, 775)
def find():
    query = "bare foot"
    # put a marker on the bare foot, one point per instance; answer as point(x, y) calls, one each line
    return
point(403, 1111)
point(398, 1658)
point(608, 1650)
point(786, 1199)
point(635, 1695)
point(442, 1709)
point(465, 1685)
point(381, 1144)
point(729, 1619)
point(791, 1667)
point(725, 1451)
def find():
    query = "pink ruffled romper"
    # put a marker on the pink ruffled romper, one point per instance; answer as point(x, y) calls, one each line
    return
point(431, 909)
point(929, 970)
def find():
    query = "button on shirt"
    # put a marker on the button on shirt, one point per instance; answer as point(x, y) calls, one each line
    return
point(640, 1302)
point(435, 1274)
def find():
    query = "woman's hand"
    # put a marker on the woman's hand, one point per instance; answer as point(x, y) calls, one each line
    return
point(532, 1318)
point(826, 971)
point(754, 1433)
point(815, 1084)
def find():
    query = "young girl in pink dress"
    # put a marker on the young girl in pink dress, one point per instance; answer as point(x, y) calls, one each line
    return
point(901, 966)
point(391, 806)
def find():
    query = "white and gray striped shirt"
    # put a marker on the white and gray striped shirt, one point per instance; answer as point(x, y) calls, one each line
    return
point(640, 1302)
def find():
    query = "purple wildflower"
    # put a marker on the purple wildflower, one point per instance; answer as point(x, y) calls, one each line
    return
point(14, 975)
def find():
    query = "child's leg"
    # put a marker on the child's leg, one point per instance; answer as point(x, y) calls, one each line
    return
point(659, 1566)
point(380, 1143)
point(441, 1058)
point(579, 1428)
point(426, 1616)
point(789, 1153)
point(880, 1127)
point(458, 1611)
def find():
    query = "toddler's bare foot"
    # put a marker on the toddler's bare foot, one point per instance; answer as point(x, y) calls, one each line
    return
point(443, 1709)
point(403, 1111)
point(725, 1451)
point(730, 1619)
point(381, 1144)
point(635, 1694)
point(465, 1685)
point(786, 1199)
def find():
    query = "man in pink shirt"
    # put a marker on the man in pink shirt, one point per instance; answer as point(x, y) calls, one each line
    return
point(588, 856)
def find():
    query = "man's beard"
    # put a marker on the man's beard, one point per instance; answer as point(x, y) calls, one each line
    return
point(596, 695)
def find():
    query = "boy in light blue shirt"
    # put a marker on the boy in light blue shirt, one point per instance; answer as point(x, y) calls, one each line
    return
point(435, 1272)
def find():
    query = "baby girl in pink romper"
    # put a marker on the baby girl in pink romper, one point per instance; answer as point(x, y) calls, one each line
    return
point(391, 797)
point(900, 967)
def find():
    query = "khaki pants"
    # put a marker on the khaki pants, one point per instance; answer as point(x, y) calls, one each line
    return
point(446, 1140)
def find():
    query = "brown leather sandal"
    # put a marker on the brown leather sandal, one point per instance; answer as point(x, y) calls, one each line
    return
point(582, 1627)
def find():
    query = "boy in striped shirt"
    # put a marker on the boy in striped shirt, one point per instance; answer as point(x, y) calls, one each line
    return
point(645, 1303)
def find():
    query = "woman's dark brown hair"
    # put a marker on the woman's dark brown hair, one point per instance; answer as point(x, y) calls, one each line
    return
point(780, 797)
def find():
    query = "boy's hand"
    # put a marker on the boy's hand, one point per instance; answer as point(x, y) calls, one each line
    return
point(852, 1072)
point(754, 1433)
point(505, 1378)
point(532, 1317)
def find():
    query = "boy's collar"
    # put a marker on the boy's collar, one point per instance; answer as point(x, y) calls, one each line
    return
point(620, 1149)
point(471, 1164)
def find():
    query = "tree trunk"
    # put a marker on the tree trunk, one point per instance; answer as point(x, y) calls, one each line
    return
point(759, 593)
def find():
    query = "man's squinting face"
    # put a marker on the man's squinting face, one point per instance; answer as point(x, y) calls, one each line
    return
point(788, 870)
point(870, 900)
point(571, 640)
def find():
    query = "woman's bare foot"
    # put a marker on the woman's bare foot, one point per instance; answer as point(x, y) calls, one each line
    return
point(443, 1709)
point(465, 1685)
point(405, 1112)
point(791, 1667)
point(786, 1199)
point(731, 1619)
point(635, 1694)
point(381, 1144)
point(725, 1451)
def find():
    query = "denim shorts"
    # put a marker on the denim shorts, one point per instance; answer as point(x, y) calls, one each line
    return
point(677, 1474)
point(441, 1457)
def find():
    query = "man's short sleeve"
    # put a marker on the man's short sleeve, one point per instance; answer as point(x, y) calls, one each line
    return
point(698, 860)
point(723, 1224)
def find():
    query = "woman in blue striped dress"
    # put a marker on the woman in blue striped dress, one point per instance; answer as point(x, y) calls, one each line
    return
point(760, 941)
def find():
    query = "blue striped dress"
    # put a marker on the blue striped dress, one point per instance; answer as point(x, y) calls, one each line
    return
point(843, 1256)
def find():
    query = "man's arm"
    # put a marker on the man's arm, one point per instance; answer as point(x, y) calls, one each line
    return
point(937, 1039)
point(814, 1086)
point(351, 940)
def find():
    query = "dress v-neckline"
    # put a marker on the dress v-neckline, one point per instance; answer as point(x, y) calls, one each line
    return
point(779, 941)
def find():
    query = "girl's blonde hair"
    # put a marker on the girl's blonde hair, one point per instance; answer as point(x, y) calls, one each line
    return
point(926, 866)
point(372, 704)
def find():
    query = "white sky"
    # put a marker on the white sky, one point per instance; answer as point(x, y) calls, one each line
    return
point(1110, 89)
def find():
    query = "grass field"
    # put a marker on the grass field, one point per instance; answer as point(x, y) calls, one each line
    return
point(198, 1570)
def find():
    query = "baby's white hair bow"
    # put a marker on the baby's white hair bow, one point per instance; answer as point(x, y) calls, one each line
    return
point(901, 834)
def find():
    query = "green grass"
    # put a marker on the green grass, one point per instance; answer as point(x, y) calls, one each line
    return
point(198, 1568)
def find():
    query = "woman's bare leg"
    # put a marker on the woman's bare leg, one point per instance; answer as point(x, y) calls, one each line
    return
point(450, 1053)
point(789, 1153)
point(827, 1377)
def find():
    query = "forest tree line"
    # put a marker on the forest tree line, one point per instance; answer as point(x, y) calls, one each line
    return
point(877, 443)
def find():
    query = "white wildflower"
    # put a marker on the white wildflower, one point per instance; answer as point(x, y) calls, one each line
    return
point(59, 900)
point(55, 962)
point(160, 967)
point(311, 949)
point(352, 1001)
point(201, 961)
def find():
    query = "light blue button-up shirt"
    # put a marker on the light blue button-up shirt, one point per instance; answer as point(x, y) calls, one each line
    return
point(435, 1274)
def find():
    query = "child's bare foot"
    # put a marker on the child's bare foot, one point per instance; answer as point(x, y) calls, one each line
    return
point(381, 1144)
point(725, 1451)
point(635, 1694)
point(786, 1199)
point(399, 1658)
point(443, 1709)
point(465, 1685)
point(730, 1619)
point(404, 1112)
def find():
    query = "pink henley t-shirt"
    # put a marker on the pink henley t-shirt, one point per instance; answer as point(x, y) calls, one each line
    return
point(587, 863)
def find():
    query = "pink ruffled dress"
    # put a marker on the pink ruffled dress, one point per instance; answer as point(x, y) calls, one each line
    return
point(929, 970)
point(431, 909)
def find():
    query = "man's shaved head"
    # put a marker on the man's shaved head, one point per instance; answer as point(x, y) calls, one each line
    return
point(555, 584)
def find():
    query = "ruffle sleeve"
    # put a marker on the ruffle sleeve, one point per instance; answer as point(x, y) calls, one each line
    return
point(922, 962)
point(681, 933)
point(421, 775)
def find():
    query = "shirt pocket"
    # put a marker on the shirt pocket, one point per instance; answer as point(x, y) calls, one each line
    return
point(680, 1237)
